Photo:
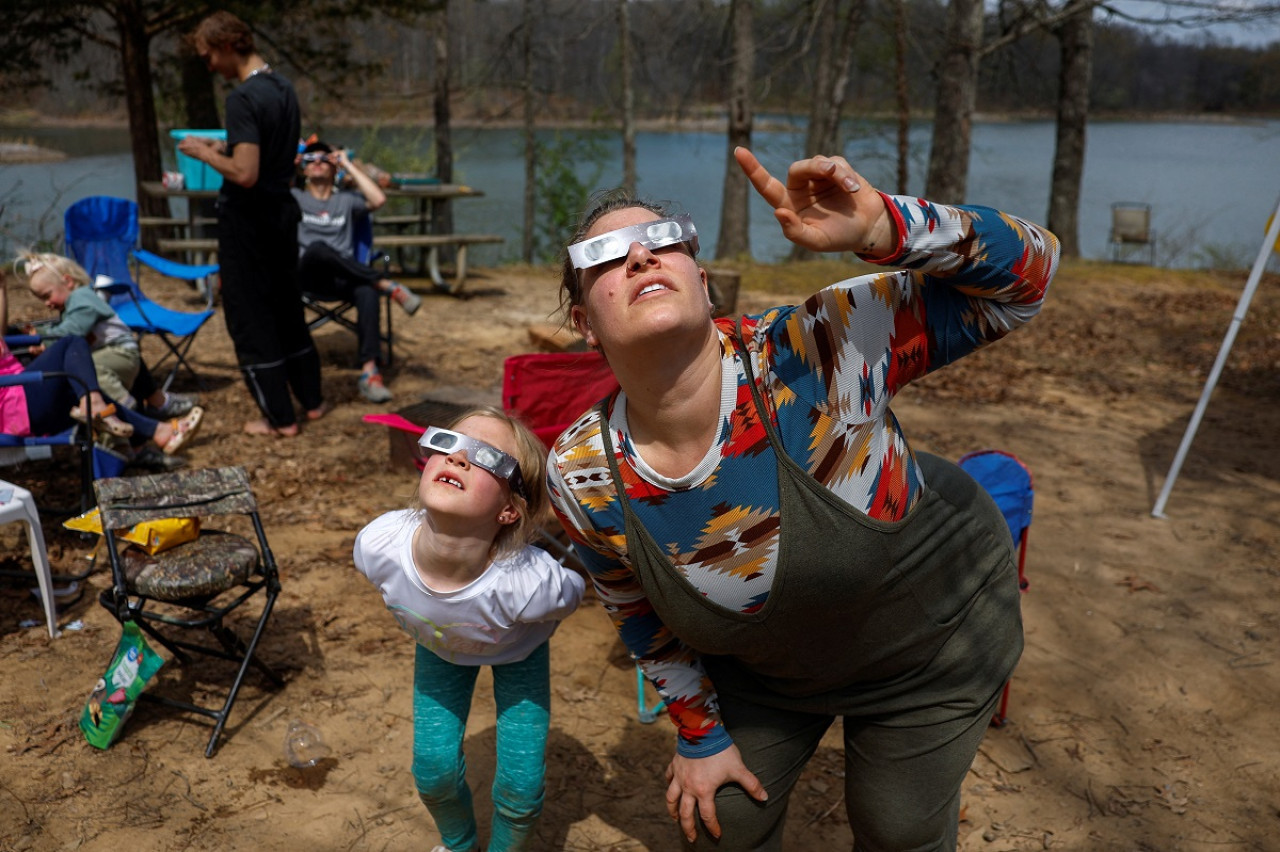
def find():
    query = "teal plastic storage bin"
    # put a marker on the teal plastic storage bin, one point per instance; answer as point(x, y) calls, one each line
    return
point(196, 174)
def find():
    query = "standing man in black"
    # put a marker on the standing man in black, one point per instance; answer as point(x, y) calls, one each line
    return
point(258, 227)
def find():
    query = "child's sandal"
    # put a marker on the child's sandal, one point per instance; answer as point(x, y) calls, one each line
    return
point(105, 420)
point(183, 428)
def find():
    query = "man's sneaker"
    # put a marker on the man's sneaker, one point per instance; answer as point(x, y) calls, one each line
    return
point(175, 405)
point(406, 298)
point(372, 388)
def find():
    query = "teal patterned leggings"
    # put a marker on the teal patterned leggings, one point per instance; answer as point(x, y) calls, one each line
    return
point(441, 700)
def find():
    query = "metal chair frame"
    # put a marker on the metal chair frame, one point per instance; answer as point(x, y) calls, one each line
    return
point(1131, 230)
point(215, 491)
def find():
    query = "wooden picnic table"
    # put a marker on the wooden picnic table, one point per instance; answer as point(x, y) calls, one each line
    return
point(391, 231)
point(416, 226)
point(179, 236)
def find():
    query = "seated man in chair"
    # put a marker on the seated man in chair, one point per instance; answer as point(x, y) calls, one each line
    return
point(327, 266)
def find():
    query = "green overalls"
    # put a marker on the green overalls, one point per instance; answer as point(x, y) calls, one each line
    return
point(907, 629)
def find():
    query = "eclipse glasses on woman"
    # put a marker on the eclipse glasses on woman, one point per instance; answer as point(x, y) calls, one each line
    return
point(654, 235)
point(480, 454)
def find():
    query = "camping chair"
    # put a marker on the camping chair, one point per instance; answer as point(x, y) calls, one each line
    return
point(1008, 481)
point(323, 309)
point(95, 462)
point(548, 391)
point(102, 236)
point(193, 587)
point(1131, 230)
point(17, 505)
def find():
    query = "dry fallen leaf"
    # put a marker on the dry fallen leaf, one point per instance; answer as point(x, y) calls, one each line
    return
point(1137, 584)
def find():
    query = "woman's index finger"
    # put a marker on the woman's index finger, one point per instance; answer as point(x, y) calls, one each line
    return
point(770, 188)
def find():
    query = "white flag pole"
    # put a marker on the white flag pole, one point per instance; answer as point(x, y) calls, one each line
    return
point(1242, 308)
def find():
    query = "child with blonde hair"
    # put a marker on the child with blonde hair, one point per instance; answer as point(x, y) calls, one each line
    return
point(65, 286)
point(461, 577)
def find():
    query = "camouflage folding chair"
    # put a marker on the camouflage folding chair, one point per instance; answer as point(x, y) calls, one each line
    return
point(189, 590)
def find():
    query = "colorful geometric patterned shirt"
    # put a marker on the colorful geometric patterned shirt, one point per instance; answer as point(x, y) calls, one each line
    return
point(827, 369)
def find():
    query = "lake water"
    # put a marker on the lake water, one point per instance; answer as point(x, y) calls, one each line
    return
point(1211, 185)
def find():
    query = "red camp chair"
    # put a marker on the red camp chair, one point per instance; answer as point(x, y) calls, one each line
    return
point(548, 391)
point(1008, 481)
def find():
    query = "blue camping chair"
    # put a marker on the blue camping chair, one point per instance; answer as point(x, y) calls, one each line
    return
point(95, 462)
point(1008, 481)
point(102, 236)
point(323, 309)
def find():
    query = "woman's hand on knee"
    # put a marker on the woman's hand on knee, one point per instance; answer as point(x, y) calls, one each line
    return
point(692, 783)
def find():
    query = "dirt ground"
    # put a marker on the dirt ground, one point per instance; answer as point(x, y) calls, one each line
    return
point(1142, 713)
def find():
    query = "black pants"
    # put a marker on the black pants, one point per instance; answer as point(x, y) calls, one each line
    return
point(258, 250)
point(325, 273)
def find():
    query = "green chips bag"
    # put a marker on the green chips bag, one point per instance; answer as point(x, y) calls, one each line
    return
point(112, 699)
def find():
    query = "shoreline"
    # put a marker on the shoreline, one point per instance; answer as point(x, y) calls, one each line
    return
point(770, 121)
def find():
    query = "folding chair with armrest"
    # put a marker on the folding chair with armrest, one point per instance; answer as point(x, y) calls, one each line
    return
point(95, 462)
point(1131, 230)
point(323, 309)
point(102, 236)
point(1008, 481)
point(195, 586)
point(548, 391)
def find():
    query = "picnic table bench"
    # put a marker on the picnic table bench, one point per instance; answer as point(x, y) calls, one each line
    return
point(412, 230)
point(208, 247)
point(200, 246)
point(433, 243)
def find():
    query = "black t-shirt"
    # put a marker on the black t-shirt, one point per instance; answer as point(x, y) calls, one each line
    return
point(263, 110)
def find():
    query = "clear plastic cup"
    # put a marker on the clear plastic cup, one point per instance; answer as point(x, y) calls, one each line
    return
point(304, 747)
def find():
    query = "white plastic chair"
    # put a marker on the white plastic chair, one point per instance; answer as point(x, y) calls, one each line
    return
point(17, 504)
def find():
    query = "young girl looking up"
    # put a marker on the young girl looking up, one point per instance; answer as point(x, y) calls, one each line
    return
point(462, 579)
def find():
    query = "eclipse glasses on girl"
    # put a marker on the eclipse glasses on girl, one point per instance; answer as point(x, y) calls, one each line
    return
point(480, 454)
point(652, 235)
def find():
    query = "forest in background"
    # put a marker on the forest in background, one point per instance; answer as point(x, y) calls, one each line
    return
point(618, 63)
point(379, 66)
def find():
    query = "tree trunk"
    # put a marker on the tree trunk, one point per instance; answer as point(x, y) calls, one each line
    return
point(734, 239)
point(144, 136)
point(1075, 39)
point(835, 58)
point(903, 101)
point(953, 110)
point(836, 97)
point(530, 139)
point(200, 108)
point(199, 99)
point(442, 212)
point(818, 137)
point(628, 100)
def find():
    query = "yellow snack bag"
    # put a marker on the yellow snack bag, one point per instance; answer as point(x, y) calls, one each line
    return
point(152, 536)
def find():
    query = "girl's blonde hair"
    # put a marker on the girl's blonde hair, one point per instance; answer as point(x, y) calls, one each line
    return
point(30, 262)
point(531, 454)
